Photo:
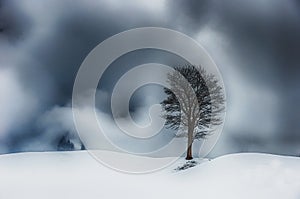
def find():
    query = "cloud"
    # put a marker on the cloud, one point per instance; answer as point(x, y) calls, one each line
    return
point(16, 103)
point(253, 109)
point(255, 45)
point(44, 46)
point(103, 135)
point(14, 26)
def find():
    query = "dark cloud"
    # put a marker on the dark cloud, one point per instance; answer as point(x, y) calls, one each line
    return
point(51, 43)
point(264, 35)
point(74, 34)
point(190, 15)
point(255, 43)
point(14, 23)
point(265, 40)
point(259, 58)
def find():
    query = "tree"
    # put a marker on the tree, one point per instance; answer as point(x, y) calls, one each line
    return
point(82, 147)
point(194, 104)
point(65, 144)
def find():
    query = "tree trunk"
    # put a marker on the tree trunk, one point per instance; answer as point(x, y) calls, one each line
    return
point(189, 154)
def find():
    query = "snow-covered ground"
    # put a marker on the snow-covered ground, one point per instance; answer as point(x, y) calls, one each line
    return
point(76, 175)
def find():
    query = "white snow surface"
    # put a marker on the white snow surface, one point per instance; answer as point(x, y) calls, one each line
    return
point(76, 175)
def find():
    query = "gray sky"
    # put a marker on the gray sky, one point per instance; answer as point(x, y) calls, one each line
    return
point(255, 44)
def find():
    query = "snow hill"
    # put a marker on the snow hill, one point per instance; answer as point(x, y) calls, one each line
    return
point(76, 175)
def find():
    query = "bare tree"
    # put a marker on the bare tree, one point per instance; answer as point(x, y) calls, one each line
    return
point(194, 104)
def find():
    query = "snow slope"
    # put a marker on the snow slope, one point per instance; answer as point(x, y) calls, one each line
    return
point(76, 175)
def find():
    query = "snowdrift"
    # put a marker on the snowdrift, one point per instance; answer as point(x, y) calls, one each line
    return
point(76, 175)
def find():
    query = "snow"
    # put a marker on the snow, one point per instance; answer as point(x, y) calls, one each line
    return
point(77, 175)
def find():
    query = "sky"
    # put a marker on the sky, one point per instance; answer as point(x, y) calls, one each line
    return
point(255, 45)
